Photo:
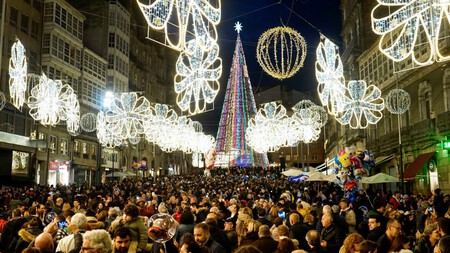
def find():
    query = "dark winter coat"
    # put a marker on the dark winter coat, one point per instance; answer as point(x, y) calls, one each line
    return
point(334, 238)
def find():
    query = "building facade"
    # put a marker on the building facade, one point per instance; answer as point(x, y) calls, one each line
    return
point(413, 145)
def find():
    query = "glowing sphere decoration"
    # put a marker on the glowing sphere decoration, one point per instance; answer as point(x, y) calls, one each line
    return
point(398, 101)
point(88, 122)
point(162, 227)
point(281, 52)
point(2, 100)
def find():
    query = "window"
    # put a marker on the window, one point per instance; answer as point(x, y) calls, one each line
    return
point(13, 16)
point(24, 23)
point(425, 100)
point(52, 145)
point(315, 157)
point(42, 136)
point(93, 152)
point(76, 149)
point(63, 147)
point(85, 150)
point(34, 29)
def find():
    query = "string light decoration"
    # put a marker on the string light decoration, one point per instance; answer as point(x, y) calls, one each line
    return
point(88, 122)
point(2, 100)
point(105, 132)
point(50, 101)
point(398, 101)
point(126, 115)
point(281, 52)
point(239, 107)
point(412, 30)
point(17, 75)
point(362, 106)
point(196, 80)
point(188, 17)
point(329, 75)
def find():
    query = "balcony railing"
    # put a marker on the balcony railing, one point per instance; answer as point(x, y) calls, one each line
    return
point(422, 129)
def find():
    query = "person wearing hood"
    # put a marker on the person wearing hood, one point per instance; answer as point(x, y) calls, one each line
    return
point(27, 234)
point(10, 231)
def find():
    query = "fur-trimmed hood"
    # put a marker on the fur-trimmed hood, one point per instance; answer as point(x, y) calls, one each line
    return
point(29, 234)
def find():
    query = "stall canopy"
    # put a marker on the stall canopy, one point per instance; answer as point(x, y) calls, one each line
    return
point(379, 179)
point(411, 172)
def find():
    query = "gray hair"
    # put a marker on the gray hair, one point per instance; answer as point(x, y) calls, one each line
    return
point(79, 220)
point(264, 230)
point(99, 239)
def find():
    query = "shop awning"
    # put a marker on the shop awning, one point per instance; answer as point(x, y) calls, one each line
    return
point(416, 165)
point(382, 159)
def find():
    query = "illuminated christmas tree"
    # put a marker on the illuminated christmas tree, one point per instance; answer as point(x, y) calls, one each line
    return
point(238, 108)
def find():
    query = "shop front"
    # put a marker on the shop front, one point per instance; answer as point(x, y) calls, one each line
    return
point(59, 173)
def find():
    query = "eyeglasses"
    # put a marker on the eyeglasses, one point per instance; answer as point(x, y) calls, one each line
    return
point(398, 228)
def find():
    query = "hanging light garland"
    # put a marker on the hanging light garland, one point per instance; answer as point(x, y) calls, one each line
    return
point(281, 52)
point(196, 80)
point(413, 26)
point(398, 101)
point(362, 106)
point(169, 15)
point(329, 75)
point(17, 75)
point(73, 116)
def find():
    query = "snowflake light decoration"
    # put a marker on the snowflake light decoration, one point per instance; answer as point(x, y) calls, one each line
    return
point(196, 17)
point(362, 107)
point(281, 52)
point(18, 75)
point(329, 75)
point(196, 81)
point(414, 27)
point(50, 101)
point(127, 114)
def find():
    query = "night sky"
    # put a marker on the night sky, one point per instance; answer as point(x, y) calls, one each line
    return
point(257, 16)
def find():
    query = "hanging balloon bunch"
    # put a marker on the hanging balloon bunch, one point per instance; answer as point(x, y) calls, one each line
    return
point(353, 164)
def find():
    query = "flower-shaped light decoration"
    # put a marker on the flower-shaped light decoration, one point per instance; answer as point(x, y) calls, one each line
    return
point(281, 52)
point(17, 75)
point(196, 81)
point(329, 75)
point(414, 27)
point(362, 107)
point(308, 118)
point(197, 17)
point(50, 101)
point(127, 114)
point(398, 101)
point(185, 133)
point(265, 132)
point(161, 124)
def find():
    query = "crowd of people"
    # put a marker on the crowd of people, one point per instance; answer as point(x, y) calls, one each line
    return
point(243, 210)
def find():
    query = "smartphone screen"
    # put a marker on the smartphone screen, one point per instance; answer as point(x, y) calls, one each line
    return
point(62, 224)
point(282, 215)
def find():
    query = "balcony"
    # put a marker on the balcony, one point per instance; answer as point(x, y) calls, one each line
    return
point(353, 135)
point(443, 122)
point(422, 129)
